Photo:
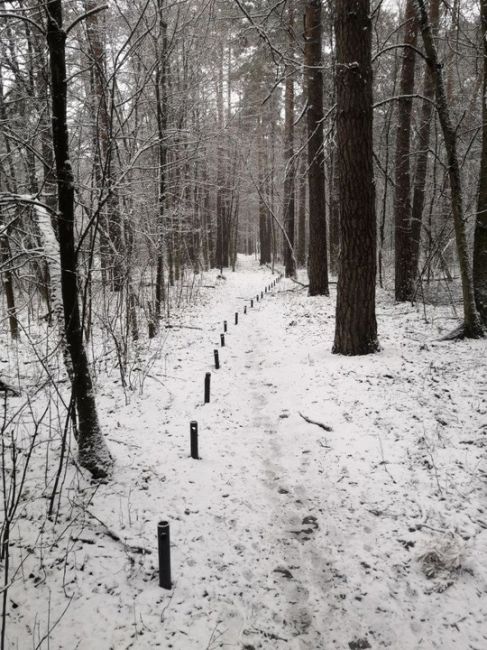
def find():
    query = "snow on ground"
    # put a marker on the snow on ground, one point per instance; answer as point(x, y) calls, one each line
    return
point(369, 531)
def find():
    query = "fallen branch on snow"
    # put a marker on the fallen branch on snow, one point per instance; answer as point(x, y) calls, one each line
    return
point(140, 550)
point(326, 427)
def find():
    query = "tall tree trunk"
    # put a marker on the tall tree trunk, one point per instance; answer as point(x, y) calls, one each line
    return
point(480, 241)
point(318, 255)
point(7, 275)
point(93, 452)
point(111, 236)
point(161, 99)
point(8, 285)
point(289, 190)
point(472, 327)
point(221, 245)
point(356, 326)
point(402, 196)
point(301, 251)
point(424, 132)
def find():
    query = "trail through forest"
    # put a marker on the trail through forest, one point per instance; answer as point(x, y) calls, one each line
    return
point(338, 503)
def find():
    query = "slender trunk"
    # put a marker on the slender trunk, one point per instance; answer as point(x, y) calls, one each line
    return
point(161, 99)
point(8, 285)
point(93, 452)
point(402, 195)
point(111, 237)
point(289, 190)
point(480, 241)
point(301, 252)
point(318, 255)
point(472, 323)
point(356, 327)
point(424, 133)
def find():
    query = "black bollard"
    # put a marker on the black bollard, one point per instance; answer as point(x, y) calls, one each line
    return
point(225, 326)
point(251, 303)
point(261, 295)
point(257, 297)
point(245, 309)
point(207, 387)
point(236, 318)
point(265, 291)
point(217, 359)
point(222, 340)
point(193, 431)
point(164, 548)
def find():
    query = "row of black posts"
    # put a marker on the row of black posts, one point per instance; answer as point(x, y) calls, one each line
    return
point(163, 530)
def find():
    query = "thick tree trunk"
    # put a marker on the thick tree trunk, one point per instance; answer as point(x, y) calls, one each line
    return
point(402, 196)
point(289, 189)
point(480, 242)
point(93, 452)
point(472, 323)
point(356, 327)
point(318, 255)
point(424, 133)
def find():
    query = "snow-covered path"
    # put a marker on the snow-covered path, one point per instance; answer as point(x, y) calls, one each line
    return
point(287, 534)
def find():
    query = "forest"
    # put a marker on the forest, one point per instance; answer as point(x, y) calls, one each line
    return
point(243, 307)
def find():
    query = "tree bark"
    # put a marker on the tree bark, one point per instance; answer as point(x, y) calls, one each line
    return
point(318, 256)
point(161, 99)
point(424, 133)
point(111, 236)
point(402, 195)
point(472, 327)
point(93, 452)
point(289, 189)
point(301, 251)
point(356, 327)
point(480, 240)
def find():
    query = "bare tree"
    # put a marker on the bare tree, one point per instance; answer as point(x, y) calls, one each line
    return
point(472, 327)
point(93, 452)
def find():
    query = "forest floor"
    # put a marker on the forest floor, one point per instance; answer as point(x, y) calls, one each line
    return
point(339, 503)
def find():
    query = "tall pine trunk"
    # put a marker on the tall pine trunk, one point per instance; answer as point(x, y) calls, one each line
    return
point(356, 327)
point(480, 244)
point(318, 256)
point(161, 99)
point(424, 133)
point(289, 180)
point(402, 195)
point(93, 452)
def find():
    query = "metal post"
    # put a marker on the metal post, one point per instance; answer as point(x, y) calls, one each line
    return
point(217, 359)
point(193, 430)
point(222, 340)
point(261, 295)
point(225, 326)
point(251, 303)
point(164, 548)
point(236, 318)
point(207, 387)
point(245, 309)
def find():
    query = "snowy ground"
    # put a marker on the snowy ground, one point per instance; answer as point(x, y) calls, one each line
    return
point(368, 533)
